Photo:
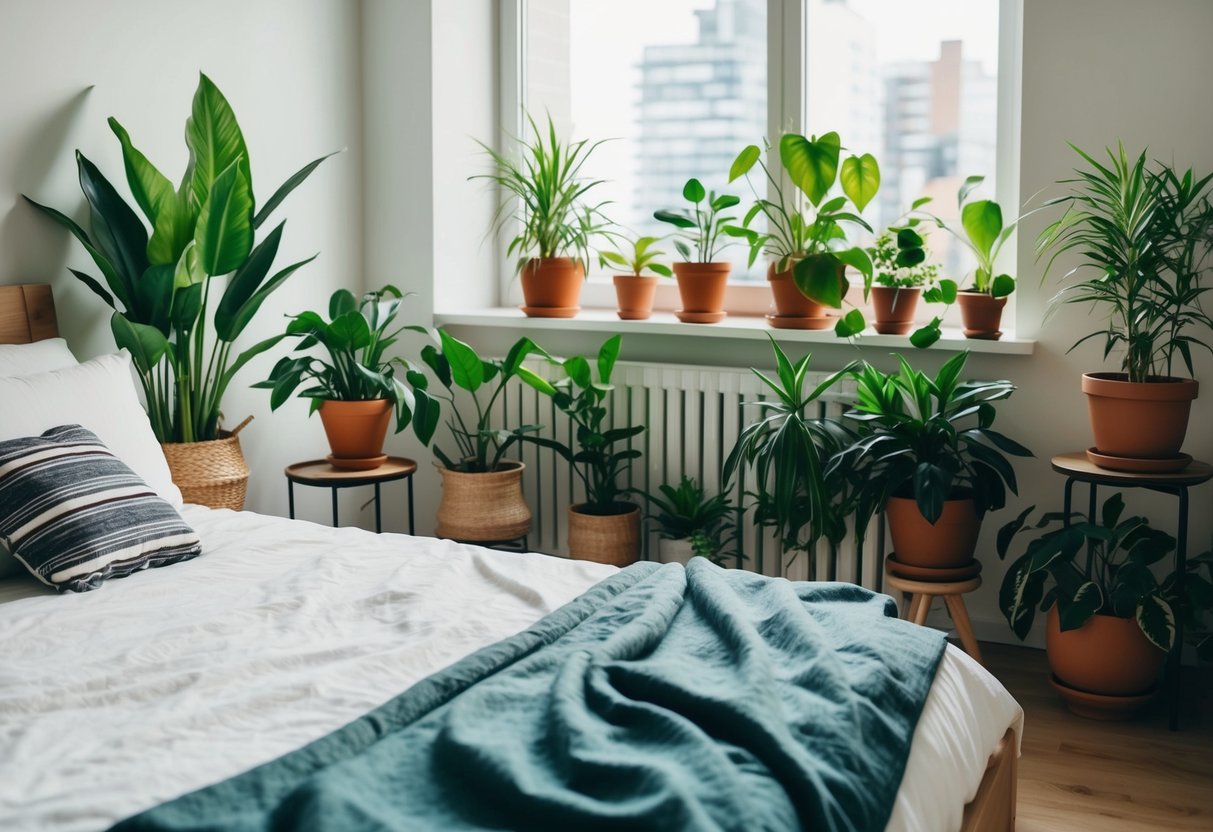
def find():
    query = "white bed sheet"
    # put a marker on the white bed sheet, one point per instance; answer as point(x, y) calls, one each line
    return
point(284, 631)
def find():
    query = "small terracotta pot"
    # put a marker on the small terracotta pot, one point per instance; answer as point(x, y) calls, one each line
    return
point(551, 283)
point(635, 296)
point(701, 285)
point(355, 430)
point(947, 544)
point(894, 309)
point(1139, 420)
point(790, 302)
point(981, 314)
point(604, 538)
point(1107, 655)
point(670, 550)
point(483, 507)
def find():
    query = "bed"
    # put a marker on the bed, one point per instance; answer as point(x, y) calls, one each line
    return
point(284, 631)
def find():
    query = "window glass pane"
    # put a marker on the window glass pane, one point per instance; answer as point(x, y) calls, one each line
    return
point(915, 84)
point(679, 86)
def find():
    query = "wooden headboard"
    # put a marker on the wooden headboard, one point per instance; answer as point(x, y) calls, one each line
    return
point(27, 313)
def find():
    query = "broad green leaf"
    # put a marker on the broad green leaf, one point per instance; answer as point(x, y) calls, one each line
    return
point(1002, 286)
point(860, 179)
point(188, 271)
point(819, 278)
point(744, 161)
point(812, 165)
point(245, 283)
point(536, 381)
point(674, 218)
point(850, 324)
point(117, 230)
point(693, 191)
point(466, 369)
point(982, 221)
point(224, 234)
point(1157, 621)
point(286, 187)
point(171, 218)
point(926, 335)
point(147, 345)
point(578, 369)
point(857, 258)
point(607, 356)
point(215, 141)
point(155, 292)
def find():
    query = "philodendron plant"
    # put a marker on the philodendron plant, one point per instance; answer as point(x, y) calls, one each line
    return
point(702, 227)
point(984, 231)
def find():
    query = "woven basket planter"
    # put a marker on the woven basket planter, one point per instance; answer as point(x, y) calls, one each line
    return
point(610, 538)
point(483, 508)
point(211, 473)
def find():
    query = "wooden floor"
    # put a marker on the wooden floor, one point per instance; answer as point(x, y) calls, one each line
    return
point(1076, 774)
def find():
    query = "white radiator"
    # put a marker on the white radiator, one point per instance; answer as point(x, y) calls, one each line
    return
point(694, 415)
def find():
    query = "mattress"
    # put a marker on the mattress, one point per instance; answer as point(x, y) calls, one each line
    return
point(116, 700)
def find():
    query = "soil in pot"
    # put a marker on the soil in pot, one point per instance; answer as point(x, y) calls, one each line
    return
point(605, 538)
point(485, 507)
point(981, 315)
point(635, 296)
point(894, 309)
point(356, 431)
point(1139, 420)
point(701, 287)
point(1107, 656)
point(551, 286)
point(948, 544)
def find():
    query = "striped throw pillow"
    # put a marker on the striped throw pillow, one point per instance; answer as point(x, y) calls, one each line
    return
point(75, 515)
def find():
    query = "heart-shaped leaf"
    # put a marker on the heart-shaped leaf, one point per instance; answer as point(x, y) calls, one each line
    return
point(812, 165)
point(860, 178)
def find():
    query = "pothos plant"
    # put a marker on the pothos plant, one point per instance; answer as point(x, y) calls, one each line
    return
point(702, 227)
point(686, 512)
point(984, 231)
point(643, 257)
point(1115, 577)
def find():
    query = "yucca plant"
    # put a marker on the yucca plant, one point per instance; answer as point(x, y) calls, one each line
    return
point(185, 292)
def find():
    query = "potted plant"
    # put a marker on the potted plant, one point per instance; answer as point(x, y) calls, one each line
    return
point(605, 527)
point(481, 489)
point(634, 289)
point(1111, 620)
point(358, 389)
point(806, 233)
point(180, 324)
point(983, 232)
point(700, 238)
point(787, 449)
point(899, 275)
point(545, 201)
point(1144, 238)
point(927, 455)
point(692, 524)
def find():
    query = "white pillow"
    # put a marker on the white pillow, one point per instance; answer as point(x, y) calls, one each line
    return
point(38, 357)
point(98, 395)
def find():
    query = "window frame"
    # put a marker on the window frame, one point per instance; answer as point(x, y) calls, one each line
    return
point(786, 104)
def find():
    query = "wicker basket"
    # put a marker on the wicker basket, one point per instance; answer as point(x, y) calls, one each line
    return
point(211, 473)
point(613, 538)
point(483, 508)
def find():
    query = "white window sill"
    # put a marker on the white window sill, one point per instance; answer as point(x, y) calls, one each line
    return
point(742, 327)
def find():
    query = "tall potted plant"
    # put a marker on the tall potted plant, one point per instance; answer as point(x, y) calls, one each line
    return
point(702, 234)
point(692, 524)
point(605, 527)
point(358, 389)
point(806, 233)
point(633, 288)
point(1111, 620)
point(183, 294)
point(928, 456)
point(1144, 238)
point(545, 199)
point(482, 497)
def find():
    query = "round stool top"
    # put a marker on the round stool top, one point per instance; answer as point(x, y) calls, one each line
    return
point(929, 587)
point(322, 472)
point(1082, 469)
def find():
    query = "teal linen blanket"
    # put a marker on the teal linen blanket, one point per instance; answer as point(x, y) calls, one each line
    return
point(663, 698)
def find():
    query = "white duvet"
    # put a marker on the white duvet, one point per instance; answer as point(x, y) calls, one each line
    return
point(284, 631)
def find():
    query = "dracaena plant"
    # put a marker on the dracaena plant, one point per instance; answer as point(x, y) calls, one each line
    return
point(983, 231)
point(1103, 566)
point(172, 311)
point(686, 512)
point(643, 257)
point(1144, 237)
point(356, 339)
point(704, 228)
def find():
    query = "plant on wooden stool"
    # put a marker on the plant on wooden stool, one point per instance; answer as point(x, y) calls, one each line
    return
point(708, 525)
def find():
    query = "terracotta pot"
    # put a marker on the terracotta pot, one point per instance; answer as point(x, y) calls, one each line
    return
point(605, 538)
point(1141, 420)
point(1107, 655)
point(790, 302)
point(483, 508)
point(675, 551)
point(947, 544)
point(894, 309)
point(981, 314)
point(635, 296)
point(701, 285)
point(551, 283)
point(355, 430)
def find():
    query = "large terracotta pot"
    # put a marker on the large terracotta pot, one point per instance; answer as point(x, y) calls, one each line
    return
point(1106, 655)
point(981, 315)
point(609, 538)
point(790, 302)
point(701, 286)
point(551, 287)
point(947, 544)
point(894, 309)
point(483, 508)
point(356, 431)
point(635, 296)
point(1138, 420)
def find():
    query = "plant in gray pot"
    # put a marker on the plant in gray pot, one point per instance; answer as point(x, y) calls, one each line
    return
point(692, 524)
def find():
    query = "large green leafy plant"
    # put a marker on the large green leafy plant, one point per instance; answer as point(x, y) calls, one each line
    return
point(1103, 566)
point(1144, 238)
point(356, 338)
point(179, 320)
point(686, 512)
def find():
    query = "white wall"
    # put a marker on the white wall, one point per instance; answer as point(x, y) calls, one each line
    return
point(292, 72)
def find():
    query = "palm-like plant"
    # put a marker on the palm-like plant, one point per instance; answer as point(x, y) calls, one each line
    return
point(686, 512)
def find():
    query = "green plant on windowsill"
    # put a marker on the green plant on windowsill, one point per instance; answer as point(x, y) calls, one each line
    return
point(708, 524)
point(702, 228)
point(643, 257)
point(984, 232)
point(899, 261)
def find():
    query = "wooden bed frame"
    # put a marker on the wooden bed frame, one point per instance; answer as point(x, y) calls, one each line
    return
point(27, 314)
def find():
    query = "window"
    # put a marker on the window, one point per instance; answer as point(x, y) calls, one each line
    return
point(681, 86)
